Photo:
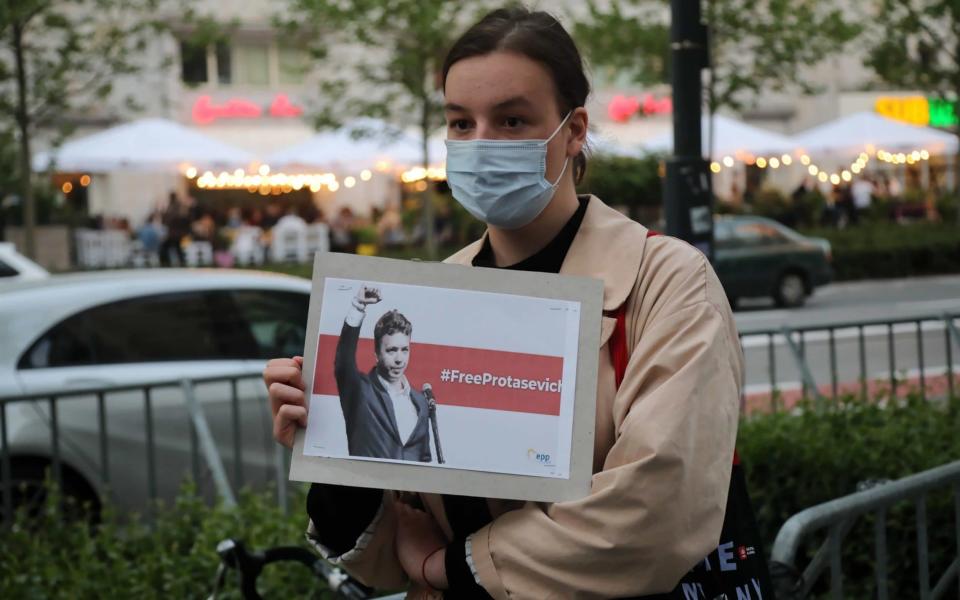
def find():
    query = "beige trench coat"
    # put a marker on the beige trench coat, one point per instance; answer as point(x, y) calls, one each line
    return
point(664, 440)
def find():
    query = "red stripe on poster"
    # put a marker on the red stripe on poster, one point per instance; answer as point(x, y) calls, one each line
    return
point(470, 377)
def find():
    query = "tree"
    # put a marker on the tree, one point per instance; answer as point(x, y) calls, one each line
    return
point(755, 46)
point(915, 44)
point(389, 54)
point(60, 57)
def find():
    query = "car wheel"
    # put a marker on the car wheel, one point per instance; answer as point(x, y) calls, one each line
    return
point(30, 491)
point(791, 290)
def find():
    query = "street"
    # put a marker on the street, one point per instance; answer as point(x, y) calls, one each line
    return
point(847, 303)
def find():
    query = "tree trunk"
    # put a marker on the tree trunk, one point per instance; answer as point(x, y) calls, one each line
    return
point(425, 196)
point(23, 127)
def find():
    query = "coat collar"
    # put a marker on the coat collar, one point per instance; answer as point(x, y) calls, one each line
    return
point(608, 246)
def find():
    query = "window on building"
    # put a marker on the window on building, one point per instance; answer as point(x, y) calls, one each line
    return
point(224, 63)
point(193, 63)
point(252, 64)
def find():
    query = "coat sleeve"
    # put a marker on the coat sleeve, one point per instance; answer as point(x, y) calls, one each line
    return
point(657, 507)
point(373, 559)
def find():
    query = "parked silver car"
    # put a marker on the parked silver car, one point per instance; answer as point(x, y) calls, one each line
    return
point(130, 328)
point(17, 267)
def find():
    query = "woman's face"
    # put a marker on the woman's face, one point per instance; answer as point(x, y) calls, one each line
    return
point(507, 96)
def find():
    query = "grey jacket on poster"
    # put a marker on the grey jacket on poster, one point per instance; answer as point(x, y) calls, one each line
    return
point(368, 411)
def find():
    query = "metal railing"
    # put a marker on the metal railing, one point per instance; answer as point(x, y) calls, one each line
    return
point(839, 516)
point(94, 459)
point(842, 357)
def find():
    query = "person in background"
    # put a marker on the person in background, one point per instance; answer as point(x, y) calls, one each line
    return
point(862, 191)
point(390, 226)
point(342, 235)
point(151, 235)
point(176, 219)
point(273, 214)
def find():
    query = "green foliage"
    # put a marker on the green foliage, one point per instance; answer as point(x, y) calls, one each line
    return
point(913, 45)
point(53, 557)
point(885, 250)
point(624, 181)
point(402, 44)
point(61, 59)
point(795, 461)
point(805, 211)
point(755, 46)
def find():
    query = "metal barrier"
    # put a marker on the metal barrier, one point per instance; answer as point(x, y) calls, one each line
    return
point(839, 516)
point(44, 412)
point(813, 355)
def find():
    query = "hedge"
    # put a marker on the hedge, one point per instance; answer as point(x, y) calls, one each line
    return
point(796, 461)
point(792, 461)
point(50, 557)
point(889, 250)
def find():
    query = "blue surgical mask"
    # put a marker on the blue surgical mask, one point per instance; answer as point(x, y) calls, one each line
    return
point(502, 182)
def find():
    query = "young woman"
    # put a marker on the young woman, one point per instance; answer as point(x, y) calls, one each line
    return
point(515, 91)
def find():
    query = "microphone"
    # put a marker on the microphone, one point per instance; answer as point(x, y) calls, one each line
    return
point(432, 413)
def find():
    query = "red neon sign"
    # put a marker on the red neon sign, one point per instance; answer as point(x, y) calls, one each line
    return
point(205, 111)
point(621, 108)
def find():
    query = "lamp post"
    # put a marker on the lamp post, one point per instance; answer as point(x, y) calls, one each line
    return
point(688, 196)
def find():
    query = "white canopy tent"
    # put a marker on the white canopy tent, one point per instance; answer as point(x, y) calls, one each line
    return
point(731, 137)
point(144, 145)
point(855, 133)
point(360, 144)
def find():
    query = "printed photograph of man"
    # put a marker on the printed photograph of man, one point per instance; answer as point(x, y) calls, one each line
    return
point(385, 417)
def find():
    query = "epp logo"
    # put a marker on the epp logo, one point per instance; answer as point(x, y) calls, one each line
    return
point(541, 457)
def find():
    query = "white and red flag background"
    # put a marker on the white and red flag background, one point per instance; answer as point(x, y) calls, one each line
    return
point(502, 368)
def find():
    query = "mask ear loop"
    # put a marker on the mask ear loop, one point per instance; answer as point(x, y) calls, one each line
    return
point(557, 130)
point(565, 162)
point(562, 171)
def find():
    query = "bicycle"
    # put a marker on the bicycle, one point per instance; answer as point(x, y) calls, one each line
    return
point(250, 564)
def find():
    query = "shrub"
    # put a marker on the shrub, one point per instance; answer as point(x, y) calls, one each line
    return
point(883, 250)
point(123, 557)
point(624, 181)
point(797, 461)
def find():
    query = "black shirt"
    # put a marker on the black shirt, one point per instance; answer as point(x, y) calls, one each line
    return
point(340, 514)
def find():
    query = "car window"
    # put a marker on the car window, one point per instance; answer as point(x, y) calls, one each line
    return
point(162, 327)
point(6, 270)
point(277, 320)
point(753, 233)
point(723, 234)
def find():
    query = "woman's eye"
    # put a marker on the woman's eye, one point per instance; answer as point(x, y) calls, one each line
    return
point(513, 122)
point(459, 124)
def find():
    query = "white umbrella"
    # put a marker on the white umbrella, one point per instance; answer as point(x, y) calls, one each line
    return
point(360, 144)
point(730, 137)
point(147, 144)
point(854, 133)
point(601, 144)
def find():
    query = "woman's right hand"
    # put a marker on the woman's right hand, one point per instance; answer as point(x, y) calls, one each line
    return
point(284, 379)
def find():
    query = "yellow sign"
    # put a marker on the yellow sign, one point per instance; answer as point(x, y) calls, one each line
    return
point(909, 109)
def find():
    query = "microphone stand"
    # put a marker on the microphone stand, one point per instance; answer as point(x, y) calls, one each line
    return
point(432, 413)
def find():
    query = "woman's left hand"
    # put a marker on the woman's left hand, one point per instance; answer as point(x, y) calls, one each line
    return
point(419, 537)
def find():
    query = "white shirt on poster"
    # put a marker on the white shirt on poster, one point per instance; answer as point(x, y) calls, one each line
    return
point(403, 407)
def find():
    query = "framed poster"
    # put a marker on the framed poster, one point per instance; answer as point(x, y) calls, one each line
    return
point(442, 378)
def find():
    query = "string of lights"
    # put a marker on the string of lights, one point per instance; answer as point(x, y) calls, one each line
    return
point(822, 174)
point(264, 181)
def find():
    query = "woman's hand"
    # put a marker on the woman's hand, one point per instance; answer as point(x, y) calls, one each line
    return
point(419, 537)
point(284, 379)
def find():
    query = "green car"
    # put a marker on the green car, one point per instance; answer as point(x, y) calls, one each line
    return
point(758, 257)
